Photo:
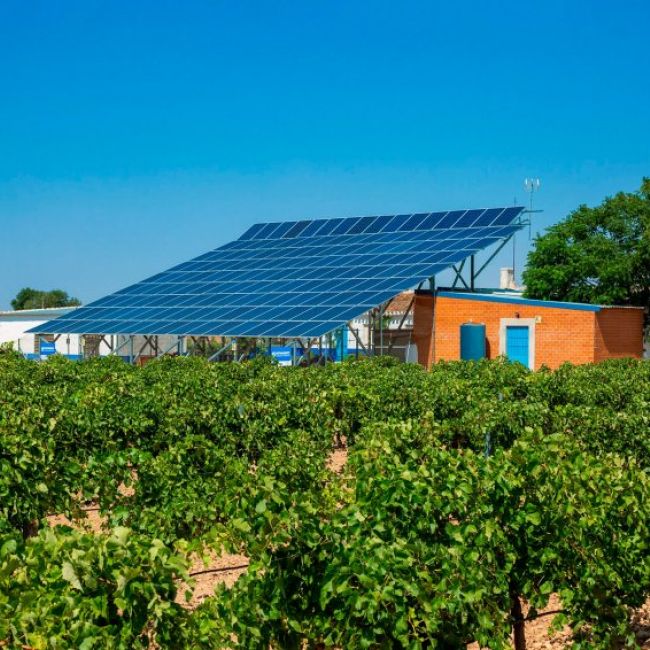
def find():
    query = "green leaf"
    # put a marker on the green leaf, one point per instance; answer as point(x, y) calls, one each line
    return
point(69, 575)
point(534, 517)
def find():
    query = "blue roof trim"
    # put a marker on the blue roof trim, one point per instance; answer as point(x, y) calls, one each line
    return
point(482, 297)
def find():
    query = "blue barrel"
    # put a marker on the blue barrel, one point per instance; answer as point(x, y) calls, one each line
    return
point(472, 341)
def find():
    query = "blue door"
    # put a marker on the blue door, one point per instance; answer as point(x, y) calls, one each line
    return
point(517, 343)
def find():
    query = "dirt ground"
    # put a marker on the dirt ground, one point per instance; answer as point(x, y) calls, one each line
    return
point(219, 568)
point(538, 638)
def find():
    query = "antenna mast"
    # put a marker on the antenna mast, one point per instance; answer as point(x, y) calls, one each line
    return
point(531, 185)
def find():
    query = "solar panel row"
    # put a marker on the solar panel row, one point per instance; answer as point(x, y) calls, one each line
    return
point(386, 223)
point(301, 278)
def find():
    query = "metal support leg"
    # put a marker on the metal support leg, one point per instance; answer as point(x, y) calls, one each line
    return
point(401, 323)
point(459, 274)
point(493, 255)
point(472, 275)
point(358, 340)
point(221, 350)
point(175, 344)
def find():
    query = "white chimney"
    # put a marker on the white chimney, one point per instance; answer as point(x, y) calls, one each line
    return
point(507, 278)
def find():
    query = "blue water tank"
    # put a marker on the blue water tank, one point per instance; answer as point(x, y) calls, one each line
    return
point(472, 341)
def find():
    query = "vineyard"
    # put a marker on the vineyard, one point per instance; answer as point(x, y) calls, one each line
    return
point(468, 497)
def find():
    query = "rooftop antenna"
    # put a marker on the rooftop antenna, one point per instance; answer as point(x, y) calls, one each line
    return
point(531, 185)
point(514, 235)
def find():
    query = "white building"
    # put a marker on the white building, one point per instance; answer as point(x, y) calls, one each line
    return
point(14, 326)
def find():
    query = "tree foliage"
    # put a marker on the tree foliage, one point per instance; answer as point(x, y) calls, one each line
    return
point(28, 298)
point(596, 255)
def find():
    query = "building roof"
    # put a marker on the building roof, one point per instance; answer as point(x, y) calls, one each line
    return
point(400, 303)
point(517, 299)
point(36, 314)
point(294, 279)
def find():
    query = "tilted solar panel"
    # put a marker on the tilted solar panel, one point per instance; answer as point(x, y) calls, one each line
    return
point(288, 279)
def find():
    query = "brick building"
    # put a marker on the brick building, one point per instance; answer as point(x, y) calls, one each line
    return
point(536, 332)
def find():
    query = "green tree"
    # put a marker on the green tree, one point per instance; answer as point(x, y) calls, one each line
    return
point(28, 298)
point(596, 255)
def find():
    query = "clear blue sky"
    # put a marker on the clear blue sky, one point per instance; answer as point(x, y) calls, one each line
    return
point(134, 135)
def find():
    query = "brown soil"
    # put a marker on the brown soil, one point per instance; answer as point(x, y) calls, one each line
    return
point(92, 523)
point(539, 638)
point(337, 460)
point(219, 569)
point(339, 456)
point(641, 625)
point(537, 634)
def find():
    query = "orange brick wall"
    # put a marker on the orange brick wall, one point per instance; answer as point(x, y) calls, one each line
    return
point(423, 311)
point(619, 333)
point(561, 335)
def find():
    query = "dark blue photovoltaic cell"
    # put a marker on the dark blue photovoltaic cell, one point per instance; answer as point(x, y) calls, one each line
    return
point(507, 216)
point(313, 228)
point(430, 221)
point(263, 232)
point(414, 221)
point(396, 222)
point(378, 223)
point(282, 229)
point(467, 220)
point(361, 225)
point(345, 225)
point(488, 216)
point(449, 220)
point(297, 229)
point(298, 278)
point(329, 226)
point(250, 233)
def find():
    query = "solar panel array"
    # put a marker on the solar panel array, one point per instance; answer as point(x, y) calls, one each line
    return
point(294, 279)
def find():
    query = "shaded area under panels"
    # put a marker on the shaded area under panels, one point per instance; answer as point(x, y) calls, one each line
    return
point(291, 279)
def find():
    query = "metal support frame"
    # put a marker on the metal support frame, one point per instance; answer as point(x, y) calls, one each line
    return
point(220, 351)
point(116, 348)
point(108, 345)
point(295, 360)
point(401, 324)
point(176, 345)
point(459, 274)
point(356, 336)
point(147, 342)
point(379, 311)
point(470, 283)
point(493, 255)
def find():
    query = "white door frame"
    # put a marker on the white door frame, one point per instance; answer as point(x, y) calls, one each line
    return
point(518, 322)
